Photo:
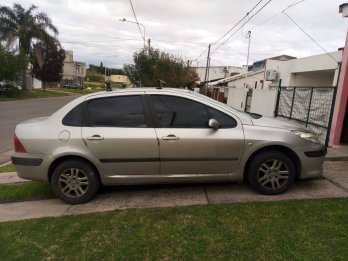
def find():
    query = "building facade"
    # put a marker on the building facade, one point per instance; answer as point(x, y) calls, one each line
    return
point(74, 72)
point(121, 79)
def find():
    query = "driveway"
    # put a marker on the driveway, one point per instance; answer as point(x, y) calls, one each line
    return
point(13, 112)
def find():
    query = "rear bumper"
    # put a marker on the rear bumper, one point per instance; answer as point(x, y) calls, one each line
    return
point(32, 166)
point(26, 161)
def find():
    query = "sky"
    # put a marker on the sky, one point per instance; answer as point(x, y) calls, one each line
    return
point(184, 28)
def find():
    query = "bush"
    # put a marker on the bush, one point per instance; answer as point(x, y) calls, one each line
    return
point(10, 90)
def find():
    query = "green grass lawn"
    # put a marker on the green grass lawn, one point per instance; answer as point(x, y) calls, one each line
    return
point(7, 168)
point(34, 94)
point(32, 190)
point(83, 91)
point(23, 191)
point(287, 230)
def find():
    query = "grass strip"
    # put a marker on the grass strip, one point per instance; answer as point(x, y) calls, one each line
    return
point(34, 94)
point(77, 91)
point(286, 230)
point(7, 168)
point(32, 190)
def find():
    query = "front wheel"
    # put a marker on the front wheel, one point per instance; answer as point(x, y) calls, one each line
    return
point(75, 181)
point(271, 172)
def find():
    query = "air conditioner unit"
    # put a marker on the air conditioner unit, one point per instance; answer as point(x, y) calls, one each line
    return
point(271, 75)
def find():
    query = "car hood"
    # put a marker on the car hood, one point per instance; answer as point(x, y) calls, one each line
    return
point(277, 123)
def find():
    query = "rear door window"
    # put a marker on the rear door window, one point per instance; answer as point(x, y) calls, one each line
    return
point(120, 111)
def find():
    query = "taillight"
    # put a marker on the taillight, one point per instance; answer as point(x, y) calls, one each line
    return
point(18, 145)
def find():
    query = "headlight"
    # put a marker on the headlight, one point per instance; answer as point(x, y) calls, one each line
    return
point(307, 136)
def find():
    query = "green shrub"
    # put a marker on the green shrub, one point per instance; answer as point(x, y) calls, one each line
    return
point(10, 90)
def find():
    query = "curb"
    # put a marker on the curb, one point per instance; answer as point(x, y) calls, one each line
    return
point(344, 158)
point(8, 178)
point(5, 163)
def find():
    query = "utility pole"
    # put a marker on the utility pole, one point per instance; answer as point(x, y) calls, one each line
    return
point(149, 44)
point(207, 72)
point(247, 67)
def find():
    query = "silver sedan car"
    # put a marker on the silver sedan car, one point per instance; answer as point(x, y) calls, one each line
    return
point(139, 136)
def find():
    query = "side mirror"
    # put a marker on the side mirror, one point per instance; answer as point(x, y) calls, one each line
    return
point(214, 124)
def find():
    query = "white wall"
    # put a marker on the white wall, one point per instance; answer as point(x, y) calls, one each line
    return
point(37, 84)
point(249, 82)
point(263, 102)
point(217, 72)
point(316, 63)
point(312, 79)
point(237, 98)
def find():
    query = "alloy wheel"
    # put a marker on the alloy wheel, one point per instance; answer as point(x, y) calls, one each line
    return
point(73, 183)
point(273, 174)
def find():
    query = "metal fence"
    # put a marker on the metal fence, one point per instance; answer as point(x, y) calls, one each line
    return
point(308, 106)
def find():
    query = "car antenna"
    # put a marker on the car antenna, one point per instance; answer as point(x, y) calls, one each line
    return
point(160, 84)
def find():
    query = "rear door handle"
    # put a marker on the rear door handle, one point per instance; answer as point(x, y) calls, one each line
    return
point(170, 137)
point(95, 138)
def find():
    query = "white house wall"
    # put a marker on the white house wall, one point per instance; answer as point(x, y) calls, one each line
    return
point(317, 62)
point(312, 79)
point(237, 98)
point(290, 71)
point(217, 72)
point(263, 102)
point(314, 71)
point(243, 82)
point(37, 84)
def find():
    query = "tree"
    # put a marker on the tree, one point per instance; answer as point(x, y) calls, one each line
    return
point(25, 26)
point(48, 65)
point(151, 65)
point(11, 65)
point(94, 76)
point(101, 69)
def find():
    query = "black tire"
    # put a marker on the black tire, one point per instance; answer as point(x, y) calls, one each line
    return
point(77, 177)
point(271, 172)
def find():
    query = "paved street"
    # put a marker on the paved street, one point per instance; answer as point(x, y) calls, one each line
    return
point(13, 112)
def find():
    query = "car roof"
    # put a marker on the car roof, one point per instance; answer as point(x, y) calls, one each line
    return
point(132, 90)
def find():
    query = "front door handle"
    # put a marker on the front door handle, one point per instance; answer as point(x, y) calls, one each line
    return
point(170, 137)
point(95, 138)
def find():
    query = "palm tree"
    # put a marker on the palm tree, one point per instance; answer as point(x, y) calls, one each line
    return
point(18, 25)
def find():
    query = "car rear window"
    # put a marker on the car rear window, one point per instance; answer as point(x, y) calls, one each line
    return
point(74, 117)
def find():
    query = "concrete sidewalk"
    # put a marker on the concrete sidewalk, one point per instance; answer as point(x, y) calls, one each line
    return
point(166, 196)
point(334, 185)
point(10, 178)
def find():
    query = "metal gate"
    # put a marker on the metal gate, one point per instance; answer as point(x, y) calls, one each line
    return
point(308, 106)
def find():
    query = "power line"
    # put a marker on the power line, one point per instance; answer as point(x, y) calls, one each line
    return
point(242, 25)
point(241, 20)
point(206, 49)
point(136, 19)
point(275, 15)
point(310, 37)
point(199, 56)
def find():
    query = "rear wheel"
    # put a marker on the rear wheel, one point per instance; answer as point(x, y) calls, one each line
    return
point(271, 172)
point(75, 181)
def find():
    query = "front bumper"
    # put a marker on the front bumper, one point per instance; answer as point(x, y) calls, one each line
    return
point(312, 160)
